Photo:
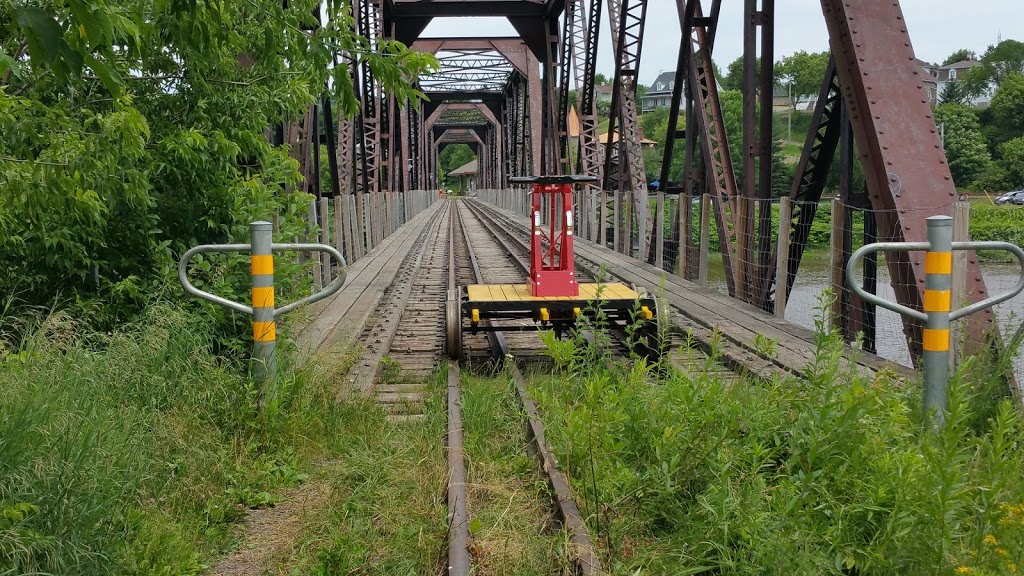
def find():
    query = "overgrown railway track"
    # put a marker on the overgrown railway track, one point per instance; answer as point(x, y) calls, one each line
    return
point(480, 240)
point(469, 243)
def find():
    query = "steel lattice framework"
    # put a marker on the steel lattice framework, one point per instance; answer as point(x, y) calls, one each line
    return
point(509, 98)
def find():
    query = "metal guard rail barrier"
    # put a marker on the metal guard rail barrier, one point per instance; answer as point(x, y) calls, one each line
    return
point(937, 302)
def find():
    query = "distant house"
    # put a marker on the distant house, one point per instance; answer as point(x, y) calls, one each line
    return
point(937, 78)
point(603, 93)
point(659, 95)
point(466, 175)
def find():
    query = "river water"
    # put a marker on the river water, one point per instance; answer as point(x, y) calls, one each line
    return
point(814, 278)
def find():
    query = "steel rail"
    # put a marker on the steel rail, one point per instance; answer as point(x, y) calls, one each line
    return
point(586, 560)
point(458, 517)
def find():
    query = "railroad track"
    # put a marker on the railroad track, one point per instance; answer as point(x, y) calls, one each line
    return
point(479, 241)
point(467, 243)
point(402, 339)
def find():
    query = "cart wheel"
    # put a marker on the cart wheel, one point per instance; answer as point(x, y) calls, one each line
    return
point(657, 332)
point(453, 325)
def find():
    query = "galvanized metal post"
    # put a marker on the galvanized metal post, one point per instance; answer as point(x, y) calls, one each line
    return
point(264, 329)
point(937, 301)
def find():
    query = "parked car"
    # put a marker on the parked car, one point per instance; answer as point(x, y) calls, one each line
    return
point(1016, 197)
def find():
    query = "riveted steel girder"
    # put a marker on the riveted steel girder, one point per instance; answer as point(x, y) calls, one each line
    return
point(908, 177)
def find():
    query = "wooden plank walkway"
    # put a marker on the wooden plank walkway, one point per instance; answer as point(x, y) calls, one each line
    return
point(708, 310)
point(343, 317)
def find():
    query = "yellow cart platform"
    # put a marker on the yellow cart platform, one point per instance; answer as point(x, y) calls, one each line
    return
point(482, 308)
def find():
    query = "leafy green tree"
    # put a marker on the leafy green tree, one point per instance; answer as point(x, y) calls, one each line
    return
point(1007, 109)
point(455, 156)
point(782, 173)
point(998, 62)
point(966, 148)
point(954, 93)
point(803, 72)
point(959, 56)
point(1012, 162)
point(1004, 59)
point(130, 130)
point(654, 124)
point(732, 115)
point(733, 79)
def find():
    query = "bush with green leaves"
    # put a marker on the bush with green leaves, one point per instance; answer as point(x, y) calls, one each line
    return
point(134, 452)
point(131, 130)
point(833, 473)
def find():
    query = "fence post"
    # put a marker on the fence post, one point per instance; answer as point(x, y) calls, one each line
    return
point(340, 239)
point(659, 229)
point(705, 239)
point(782, 257)
point(616, 221)
point(743, 260)
point(958, 292)
point(355, 225)
point(264, 329)
point(838, 267)
point(325, 238)
point(685, 234)
point(314, 222)
point(938, 270)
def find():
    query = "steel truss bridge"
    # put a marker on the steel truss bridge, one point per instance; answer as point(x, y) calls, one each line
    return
point(509, 100)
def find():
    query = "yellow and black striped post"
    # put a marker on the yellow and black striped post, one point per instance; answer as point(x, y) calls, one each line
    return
point(264, 329)
point(937, 301)
point(938, 269)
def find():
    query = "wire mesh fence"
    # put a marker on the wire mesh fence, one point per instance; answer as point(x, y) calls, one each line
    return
point(683, 237)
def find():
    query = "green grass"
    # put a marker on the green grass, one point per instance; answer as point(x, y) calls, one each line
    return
point(686, 473)
point(386, 512)
point(136, 452)
point(792, 150)
point(509, 505)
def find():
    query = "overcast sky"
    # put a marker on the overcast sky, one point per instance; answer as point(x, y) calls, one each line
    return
point(937, 28)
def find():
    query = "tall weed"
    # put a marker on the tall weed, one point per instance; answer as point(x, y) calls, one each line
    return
point(835, 473)
point(132, 452)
